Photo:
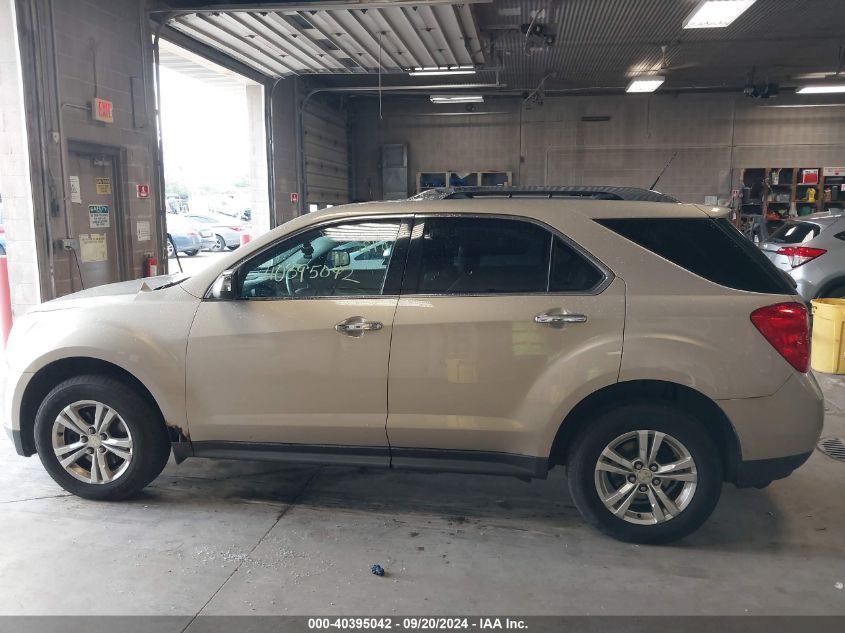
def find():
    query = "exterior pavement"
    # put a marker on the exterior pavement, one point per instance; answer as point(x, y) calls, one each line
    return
point(233, 538)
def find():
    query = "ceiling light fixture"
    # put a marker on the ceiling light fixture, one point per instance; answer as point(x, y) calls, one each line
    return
point(645, 83)
point(820, 89)
point(430, 71)
point(716, 14)
point(457, 98)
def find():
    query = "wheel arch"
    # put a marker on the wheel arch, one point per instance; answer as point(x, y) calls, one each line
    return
point(46, 378)
point(693, 402)
point(830, 285)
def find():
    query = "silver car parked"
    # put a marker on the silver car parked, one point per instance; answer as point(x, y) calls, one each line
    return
point(811, 250)
point(226, 232)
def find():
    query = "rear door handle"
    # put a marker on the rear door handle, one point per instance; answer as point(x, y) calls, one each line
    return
point(550, 318)
point(357, 325)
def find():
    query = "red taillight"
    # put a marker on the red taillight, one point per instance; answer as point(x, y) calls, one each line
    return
point(787, 328)
point(192, 233)
point(236, 228)
point(800, 254)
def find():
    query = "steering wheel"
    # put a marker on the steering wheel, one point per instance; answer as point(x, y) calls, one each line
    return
point(290, 286)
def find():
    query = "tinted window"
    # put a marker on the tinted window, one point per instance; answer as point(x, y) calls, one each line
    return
point(491, 255)
point(570, 272)
point(795, 233)
point(338, 260)
point(712, 249)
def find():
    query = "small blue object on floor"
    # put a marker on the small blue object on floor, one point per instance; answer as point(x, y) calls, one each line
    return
point(377, 569)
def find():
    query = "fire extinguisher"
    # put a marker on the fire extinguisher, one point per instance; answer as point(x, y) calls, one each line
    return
point(150, 265)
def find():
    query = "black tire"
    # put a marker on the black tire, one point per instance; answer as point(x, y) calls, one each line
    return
point(611, 424)
point(171, 248)
point(219, 244)
point(151, 446)
point(232, 248)
point(191, 253)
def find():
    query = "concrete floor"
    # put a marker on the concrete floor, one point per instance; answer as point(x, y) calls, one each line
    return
point(249, 538)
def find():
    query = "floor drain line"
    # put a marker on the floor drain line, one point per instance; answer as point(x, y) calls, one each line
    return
point(833, 447)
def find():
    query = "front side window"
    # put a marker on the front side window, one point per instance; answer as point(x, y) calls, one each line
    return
point(470, 255)
point(348, 259)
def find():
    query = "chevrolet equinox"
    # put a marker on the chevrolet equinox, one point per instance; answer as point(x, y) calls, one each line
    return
point(640, 343)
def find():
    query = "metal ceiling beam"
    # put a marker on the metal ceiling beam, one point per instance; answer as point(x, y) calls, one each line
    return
point(193, 31)
point(252, 51)
point(334, 41)
point(443, 34)
point(474, 33)
point(307, 59)
point(318, 50)
point(242, 20)
point(331, 19)
point(263, 7)
point(412, 60)
point(417, 37)
point(354, 15)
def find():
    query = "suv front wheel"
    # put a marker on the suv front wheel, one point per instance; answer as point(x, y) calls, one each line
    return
point(645, 473)
point(99, 439)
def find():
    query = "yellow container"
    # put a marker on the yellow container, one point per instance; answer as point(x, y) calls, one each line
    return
point(828, 350)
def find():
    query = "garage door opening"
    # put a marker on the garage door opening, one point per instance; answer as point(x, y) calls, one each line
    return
point(215, 158)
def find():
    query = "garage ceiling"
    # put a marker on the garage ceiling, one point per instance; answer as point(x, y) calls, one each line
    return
point(342, 40)
point(582, 45)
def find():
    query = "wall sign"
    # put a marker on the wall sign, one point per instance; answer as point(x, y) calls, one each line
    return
point(102, 110)
point(75, 191)
point(93, 247)
point(294, 197)
point(142, 230)
point(103, 186)
point(98, 215)
point(833, 171)
point(142, 191)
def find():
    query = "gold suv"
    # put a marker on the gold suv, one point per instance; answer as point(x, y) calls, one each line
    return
point(641, 343)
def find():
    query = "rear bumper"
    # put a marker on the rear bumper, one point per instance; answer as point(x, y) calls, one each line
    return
point(15, 436)
point(761, 472)
point(777, 432)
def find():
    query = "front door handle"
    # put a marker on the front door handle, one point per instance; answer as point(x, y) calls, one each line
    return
point(551, 318)
point(357, 325)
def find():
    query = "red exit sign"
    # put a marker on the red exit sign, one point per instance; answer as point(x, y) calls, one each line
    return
point(102, 110)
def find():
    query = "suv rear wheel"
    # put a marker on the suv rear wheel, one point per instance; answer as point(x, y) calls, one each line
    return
point(99, 439)
point(645, 473)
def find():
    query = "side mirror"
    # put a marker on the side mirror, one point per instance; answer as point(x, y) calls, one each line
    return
point(338, 259)
point(224, 286)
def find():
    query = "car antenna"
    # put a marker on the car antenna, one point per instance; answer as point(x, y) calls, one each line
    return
point(662, 171)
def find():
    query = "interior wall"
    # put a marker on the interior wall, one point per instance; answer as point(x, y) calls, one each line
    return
point(552, 144)
point(79, 50)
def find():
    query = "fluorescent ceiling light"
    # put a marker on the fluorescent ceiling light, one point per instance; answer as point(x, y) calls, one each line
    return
point(716, 14)
point(818, 89)
point(457, 98)
point(430, 71)
point(645, 83)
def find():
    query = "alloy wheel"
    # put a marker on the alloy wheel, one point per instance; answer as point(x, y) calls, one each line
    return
point(92, 442)
point(646, 477)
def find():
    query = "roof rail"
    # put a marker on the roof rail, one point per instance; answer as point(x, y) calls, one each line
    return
point(557, 191)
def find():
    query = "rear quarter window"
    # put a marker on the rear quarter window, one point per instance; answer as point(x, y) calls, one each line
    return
point(710, 248)
point(795, 233)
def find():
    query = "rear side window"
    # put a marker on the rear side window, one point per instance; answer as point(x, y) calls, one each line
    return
point(795, 233)
point(709, 248)
point(469, 255)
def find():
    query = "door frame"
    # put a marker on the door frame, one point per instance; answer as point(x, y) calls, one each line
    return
point(118, 155)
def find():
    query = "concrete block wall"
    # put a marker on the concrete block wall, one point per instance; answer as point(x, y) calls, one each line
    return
point(551, 144)
point(111, 37)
